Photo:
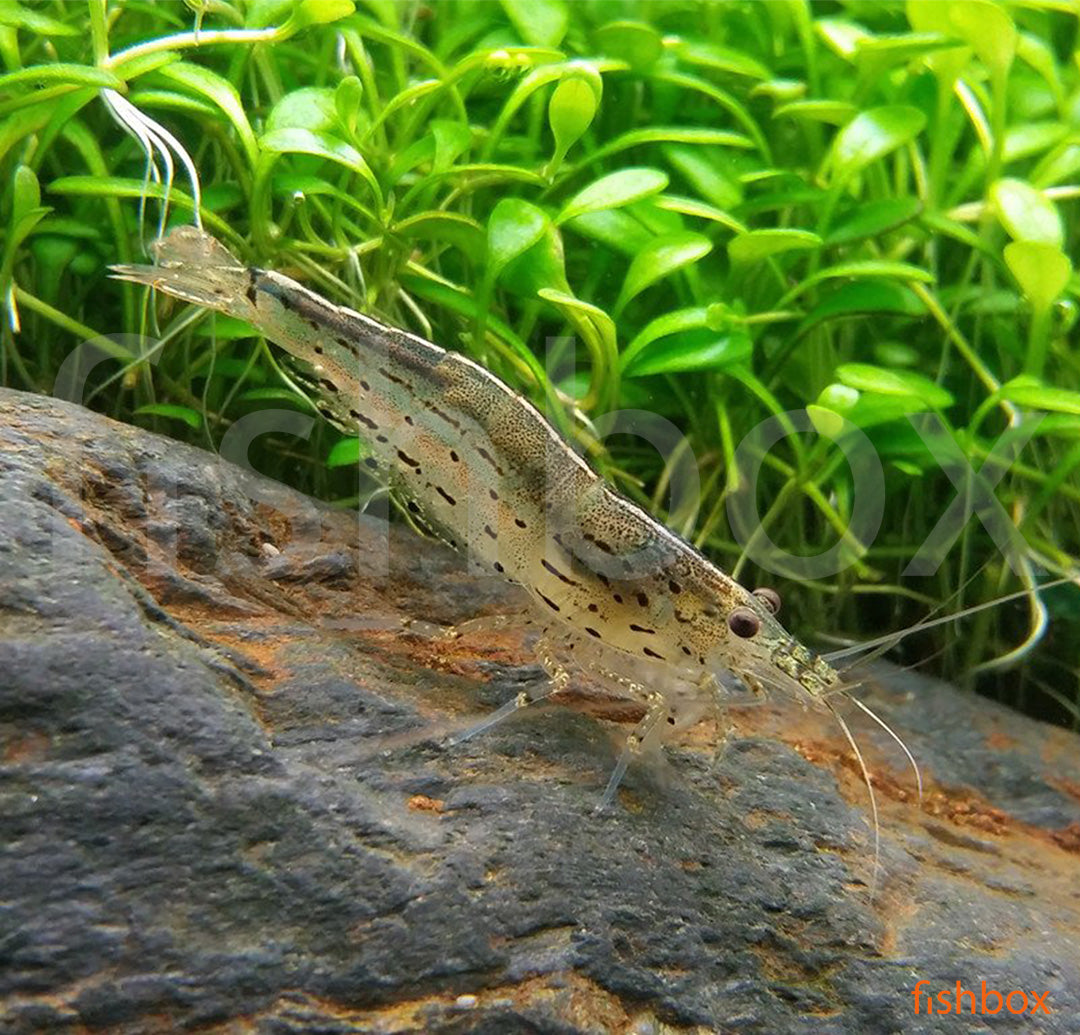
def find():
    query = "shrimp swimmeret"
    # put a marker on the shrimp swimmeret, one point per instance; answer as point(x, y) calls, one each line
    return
point(615, 589)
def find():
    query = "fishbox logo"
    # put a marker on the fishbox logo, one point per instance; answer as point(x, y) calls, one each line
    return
point(990, 1001)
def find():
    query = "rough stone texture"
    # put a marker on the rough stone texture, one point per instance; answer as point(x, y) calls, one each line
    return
point(220, 811)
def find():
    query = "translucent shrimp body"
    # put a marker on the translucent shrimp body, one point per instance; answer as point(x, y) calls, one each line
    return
point(482, 466)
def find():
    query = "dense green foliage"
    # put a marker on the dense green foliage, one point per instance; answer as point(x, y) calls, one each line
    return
point(737, 209)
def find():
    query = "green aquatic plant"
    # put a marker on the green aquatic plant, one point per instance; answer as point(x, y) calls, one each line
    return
point(717, 212)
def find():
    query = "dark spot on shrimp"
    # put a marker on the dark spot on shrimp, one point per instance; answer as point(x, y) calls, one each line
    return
point(445, 416)
point(414, 507)
point(550, 603)
point(454, 456)
point(365, 385)
point(652, 654)
point(252, 294)
point(598, 543)
point(686, 650)
point(329, 385)
point(409, 420)
point(642, 629)
point(643, 599)
point(406, 459)
point(370, 461)
point(446, 496)
point(617, 597)
point(520, 523)
point(499, 568)
point(593, 608)
point(489, 458)
point(395, 379)
point(493, 494)
point(558, 574)
point(674, 586)
point(592, 632)
point(366, 421)
point(490, 532)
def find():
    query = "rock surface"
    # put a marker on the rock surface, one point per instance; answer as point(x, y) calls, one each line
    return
point(219, 809)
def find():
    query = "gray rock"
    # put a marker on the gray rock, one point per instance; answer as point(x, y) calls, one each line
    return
point(225, 803)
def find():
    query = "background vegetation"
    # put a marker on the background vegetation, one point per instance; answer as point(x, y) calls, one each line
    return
point(736, 208)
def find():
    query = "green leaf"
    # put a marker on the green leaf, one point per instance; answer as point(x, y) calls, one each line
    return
point(20, 17)
point(613, 191)
point(700, 350)
point(26, 192)
point(348, 101)
point(869, 296)
point(295, 140)
point(311, 108)
point(173, 100)
point(864, 411)
point(872, 219)
point(191, 418)
point(542, 23)
point(762, 244)
point(320, 12)
point(122, 187)
point(987, 28)
point(221, 92)
point(660, 258)
point(705, 175)
point(514, 226)
point(675, 322)
point(524, 249)
point(876, 54)
point(347, 452)
point(868, 378)
point(841, 35)
point(452, 139)
point(872, 135)
point(1026, 213)
point(695, 135)
point(228, 328)
point(701, 210)
point(883, 268)
point(274, 395)
point(636, 43)
point(834, 112)
point(730, 60)
point(460, 230)
point(61, 72)
point(697, 338)
point(1032, 393)
point(1041, 270)
point(571, 110)
point(613, 227)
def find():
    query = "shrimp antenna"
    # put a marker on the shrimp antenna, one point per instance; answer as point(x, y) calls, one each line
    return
point(883, 643)
point(895, 736)
point(155, 140)
point(870, 789)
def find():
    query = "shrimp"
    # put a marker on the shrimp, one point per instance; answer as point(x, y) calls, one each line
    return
point(614, 590)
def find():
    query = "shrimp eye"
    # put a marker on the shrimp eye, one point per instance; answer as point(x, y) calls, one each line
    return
point(743, 622)
point(770, 598)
